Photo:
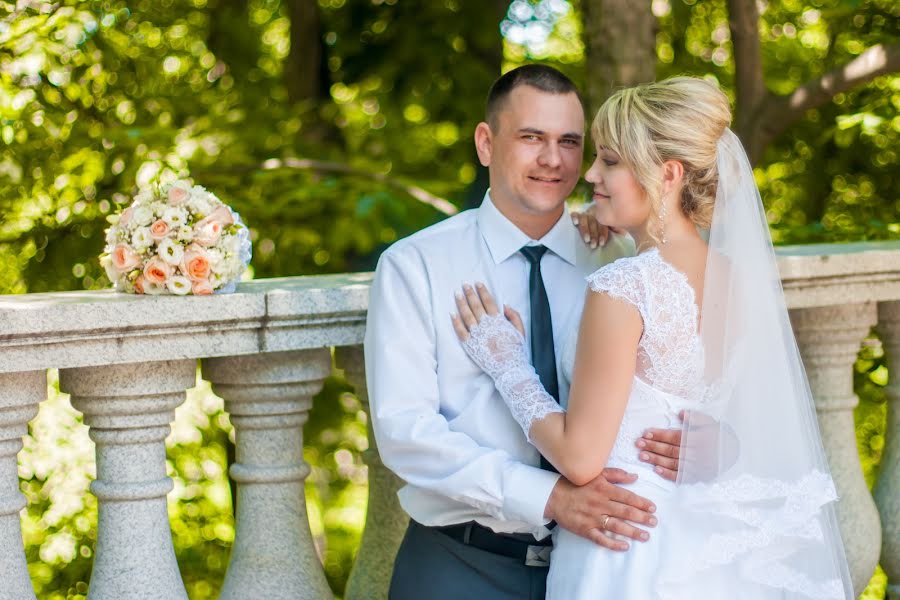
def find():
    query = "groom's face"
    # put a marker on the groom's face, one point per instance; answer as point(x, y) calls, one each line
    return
point(534, 151)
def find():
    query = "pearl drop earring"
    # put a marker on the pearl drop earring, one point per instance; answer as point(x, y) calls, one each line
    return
point(662, 222)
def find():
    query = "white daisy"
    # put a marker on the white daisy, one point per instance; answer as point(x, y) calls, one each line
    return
point(179, 285)
point(141, 239)
point(175, 217)
point(170, 251)
point(142, 215)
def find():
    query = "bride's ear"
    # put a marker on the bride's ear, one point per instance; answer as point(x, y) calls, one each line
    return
point(484, 143)
point(672, 175)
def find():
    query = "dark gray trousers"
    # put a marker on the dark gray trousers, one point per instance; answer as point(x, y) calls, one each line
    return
point(432, 566)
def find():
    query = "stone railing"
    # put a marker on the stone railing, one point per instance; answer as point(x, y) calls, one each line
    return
point(126, 361)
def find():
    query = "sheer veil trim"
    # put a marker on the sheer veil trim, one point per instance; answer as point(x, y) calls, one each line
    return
point(759, 485)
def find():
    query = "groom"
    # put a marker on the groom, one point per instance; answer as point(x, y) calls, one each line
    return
point(481, 507)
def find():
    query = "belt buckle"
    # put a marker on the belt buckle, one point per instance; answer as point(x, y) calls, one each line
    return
point(538, 556)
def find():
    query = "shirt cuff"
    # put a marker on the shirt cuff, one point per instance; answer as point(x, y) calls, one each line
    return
point(526, 491)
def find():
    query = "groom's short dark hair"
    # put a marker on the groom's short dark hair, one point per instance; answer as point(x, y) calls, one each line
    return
point(542, 77)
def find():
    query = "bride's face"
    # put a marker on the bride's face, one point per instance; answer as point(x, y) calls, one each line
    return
point(620, 199)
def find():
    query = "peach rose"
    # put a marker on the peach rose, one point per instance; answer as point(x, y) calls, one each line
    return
point(195, 263)
point(157, 271)
point(222, 215)
point(139, 285)
point(201, 287)
point(124, 257)
point(177, 196)
point(159, 230)
point(207, 232)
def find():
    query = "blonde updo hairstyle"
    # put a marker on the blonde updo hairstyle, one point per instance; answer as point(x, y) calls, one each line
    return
point(680, 118)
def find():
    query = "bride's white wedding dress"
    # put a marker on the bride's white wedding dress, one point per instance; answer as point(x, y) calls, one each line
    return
point(669, 378)
point(752, 515)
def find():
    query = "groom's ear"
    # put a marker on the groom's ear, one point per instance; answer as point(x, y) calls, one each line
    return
point(484, 143)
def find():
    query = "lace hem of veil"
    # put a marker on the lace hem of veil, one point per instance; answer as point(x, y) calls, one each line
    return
point(756, 526)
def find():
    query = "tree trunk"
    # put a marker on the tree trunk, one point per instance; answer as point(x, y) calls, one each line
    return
point(304, 75)
point(231, 39)
point(494, 57)
point(620, 44)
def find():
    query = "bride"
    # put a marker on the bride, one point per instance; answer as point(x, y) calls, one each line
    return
point(686, 328)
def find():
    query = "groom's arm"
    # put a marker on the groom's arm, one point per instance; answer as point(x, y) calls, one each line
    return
point(414, 438)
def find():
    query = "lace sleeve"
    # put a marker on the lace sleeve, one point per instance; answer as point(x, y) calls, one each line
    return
point(621, 280)
point(499, 349)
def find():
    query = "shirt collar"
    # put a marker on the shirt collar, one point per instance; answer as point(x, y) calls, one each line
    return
point(505, 239)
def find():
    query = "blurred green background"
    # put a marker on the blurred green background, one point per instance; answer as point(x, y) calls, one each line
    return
point(338, 126)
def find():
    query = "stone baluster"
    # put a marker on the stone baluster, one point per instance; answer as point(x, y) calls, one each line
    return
point(269, 397)
point(887, 490)
point(20, 394)
point(128, 409)
point(385, 521)
point(829, 339)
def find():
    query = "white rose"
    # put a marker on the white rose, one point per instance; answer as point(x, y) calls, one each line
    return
point(141, 238)
point(158, 208)
point(142, 215)
point(107, 264)
point(171, 251)
point(199, 205)
point(232, 269)
point(215, 258)
point(230, 244)
point(179, 285)
point(174, 216)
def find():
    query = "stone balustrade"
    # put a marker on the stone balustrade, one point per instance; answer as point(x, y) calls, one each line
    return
point(127, 360)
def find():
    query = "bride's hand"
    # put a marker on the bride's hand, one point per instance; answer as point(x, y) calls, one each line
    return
point(474, 304)
point(593, 232)
point(495, 342)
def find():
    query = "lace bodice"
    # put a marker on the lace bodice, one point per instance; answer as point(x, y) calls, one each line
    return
point(670, 353)
point(669, 373)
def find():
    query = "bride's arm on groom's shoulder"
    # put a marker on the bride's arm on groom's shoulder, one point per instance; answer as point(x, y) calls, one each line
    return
point(414, 439)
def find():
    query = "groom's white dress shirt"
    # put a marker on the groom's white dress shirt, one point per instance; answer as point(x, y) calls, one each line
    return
point(439, 422)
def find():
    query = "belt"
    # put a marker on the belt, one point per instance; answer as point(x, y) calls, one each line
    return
point(521, 546)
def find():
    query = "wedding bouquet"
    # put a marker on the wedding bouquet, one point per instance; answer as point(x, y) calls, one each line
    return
point(176, 238)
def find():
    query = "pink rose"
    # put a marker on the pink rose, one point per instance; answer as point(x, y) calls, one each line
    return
point(157, 271)
point(222, 214)
point(159, 230)
point(177, 196)
point(124, 257)
point(126, 216)
point(207, 231)
point(195, 263)
point(201, 287)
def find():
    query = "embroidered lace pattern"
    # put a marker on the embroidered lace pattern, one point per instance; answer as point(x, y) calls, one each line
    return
point(670, 353)
point(499, 349)
point(771, 511)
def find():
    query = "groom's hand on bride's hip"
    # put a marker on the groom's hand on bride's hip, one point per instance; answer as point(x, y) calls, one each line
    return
point(600, 508)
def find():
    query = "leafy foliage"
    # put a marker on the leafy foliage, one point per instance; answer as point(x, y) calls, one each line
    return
point(99, 97)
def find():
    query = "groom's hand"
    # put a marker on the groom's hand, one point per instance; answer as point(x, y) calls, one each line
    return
point(584, 510)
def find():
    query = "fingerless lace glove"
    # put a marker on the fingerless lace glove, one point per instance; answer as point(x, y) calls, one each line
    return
point(499, 349)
